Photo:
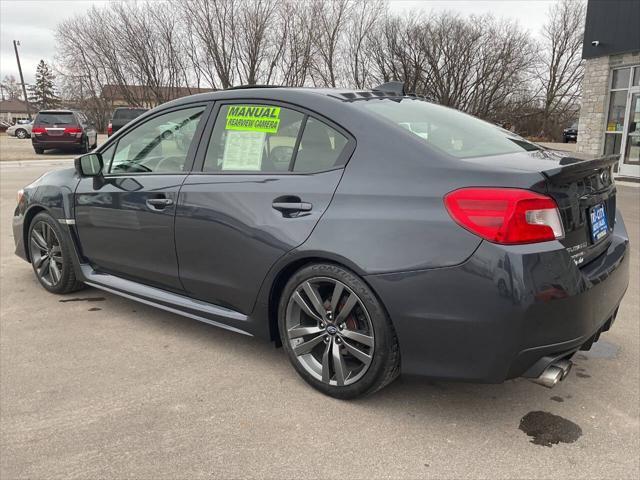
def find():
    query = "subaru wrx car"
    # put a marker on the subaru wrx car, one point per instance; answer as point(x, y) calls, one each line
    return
point(370, 233)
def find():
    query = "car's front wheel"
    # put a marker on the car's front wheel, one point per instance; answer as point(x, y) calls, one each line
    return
point(51, 256)
point(336, 332)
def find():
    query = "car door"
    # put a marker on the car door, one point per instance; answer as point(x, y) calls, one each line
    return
point(91, 132)
point(268, 173)
point(125, 221)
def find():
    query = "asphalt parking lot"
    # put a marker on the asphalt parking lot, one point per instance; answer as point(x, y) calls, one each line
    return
point(97, 386)
point(16, 149)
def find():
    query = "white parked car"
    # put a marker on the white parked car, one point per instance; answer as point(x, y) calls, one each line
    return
point(20, 130)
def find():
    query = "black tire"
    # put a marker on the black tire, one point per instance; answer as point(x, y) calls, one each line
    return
point(39, 151)
point(384, 365)
point(67, 281)
point(21, 133)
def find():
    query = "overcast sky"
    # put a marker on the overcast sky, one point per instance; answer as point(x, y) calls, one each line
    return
point(32, 22)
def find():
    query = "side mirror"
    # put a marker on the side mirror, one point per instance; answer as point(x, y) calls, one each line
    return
point(89, 165)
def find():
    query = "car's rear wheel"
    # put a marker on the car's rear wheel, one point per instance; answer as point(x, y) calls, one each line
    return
point(50, 255)
point(336, 332)
point(39, 151)
point(21, 133)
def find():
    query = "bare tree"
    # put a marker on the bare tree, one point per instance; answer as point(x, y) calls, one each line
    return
point(215, 24)
point(150, 52)
point(364, 15)
point(561, 68)
point(298, 34)
point(11, 88)
point(330, 18)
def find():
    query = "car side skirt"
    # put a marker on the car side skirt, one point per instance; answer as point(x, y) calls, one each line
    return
point(171, 302)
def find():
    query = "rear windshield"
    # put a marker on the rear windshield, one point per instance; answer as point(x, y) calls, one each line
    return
point(449, 130)
point(57, 118)
point(128, 113)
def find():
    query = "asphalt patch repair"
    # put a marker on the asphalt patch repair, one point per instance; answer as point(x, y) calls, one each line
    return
point(548, 429)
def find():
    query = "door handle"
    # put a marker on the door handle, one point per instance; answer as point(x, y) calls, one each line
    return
point(292, 206)
point(159, 203)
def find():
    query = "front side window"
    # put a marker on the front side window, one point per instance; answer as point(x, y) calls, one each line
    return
point(159, 145)
point(455, 133)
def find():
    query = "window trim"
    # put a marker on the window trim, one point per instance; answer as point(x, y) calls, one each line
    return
point(197, 137)
point(341, 161)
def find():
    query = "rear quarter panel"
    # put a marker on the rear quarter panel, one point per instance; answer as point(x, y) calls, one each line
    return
point(388, 213)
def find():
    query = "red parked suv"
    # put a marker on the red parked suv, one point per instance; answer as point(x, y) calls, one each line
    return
point(63, 129)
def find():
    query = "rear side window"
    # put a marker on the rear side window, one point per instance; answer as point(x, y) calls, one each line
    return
point(266, 138)
point(456, 133)
point(320, 147)
point(253, 138)
point(56, 118)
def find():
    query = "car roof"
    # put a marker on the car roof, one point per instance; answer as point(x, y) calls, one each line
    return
point(281, 93)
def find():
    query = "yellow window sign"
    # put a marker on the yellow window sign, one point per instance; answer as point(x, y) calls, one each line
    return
point(253, 118)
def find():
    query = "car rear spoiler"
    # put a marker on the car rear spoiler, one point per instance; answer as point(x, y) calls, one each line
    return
point(574, 168)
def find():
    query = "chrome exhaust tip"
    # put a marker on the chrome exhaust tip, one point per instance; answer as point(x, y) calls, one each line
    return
point(550, 377)
point(565, 366)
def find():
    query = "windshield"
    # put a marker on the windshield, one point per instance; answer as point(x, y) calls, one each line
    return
point(449, 130)
point(128, 113)
point(55, 118)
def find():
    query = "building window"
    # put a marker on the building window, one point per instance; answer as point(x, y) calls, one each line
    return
point(621, 80)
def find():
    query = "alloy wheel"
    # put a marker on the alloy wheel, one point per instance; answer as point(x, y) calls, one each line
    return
point(46, 253)
point(330, 331)
point(21, 134)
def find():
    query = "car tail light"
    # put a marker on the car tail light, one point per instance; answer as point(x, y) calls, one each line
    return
point(38, 130)
point(77, 131)
point(20, 196)
point(110, 129)
point(505, 215)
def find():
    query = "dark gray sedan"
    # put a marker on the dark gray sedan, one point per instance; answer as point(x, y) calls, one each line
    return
point(368, 232)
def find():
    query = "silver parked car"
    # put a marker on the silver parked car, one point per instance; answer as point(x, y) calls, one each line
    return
point(20, 130)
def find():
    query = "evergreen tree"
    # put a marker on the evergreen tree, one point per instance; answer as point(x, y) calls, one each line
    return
point(43, 92)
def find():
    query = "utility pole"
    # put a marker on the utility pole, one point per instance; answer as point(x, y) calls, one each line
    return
point(24, 88)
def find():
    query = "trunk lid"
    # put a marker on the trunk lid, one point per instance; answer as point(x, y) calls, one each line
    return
point(586, 196)
point(583, 188)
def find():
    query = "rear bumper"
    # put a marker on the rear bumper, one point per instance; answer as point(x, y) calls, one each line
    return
point(505, 311)
point(62, 144)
